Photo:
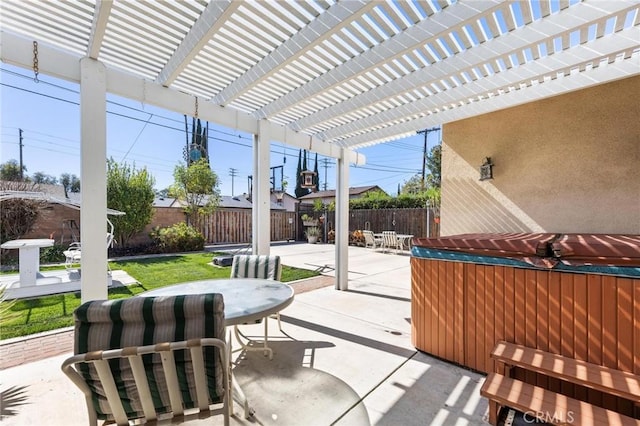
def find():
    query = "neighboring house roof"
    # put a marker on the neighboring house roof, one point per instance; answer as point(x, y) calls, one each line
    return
point(226, 201)
point(163, 202)
point(235, 202)
point(52, 194)
point(356, 190)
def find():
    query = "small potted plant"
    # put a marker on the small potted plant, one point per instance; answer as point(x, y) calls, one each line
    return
point(308, 220)
point(312, 233)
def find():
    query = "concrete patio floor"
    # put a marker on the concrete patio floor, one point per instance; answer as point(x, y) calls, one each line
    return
point(346, 358)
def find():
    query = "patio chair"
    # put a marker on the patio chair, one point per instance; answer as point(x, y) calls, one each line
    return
point(390, 240)
point(151, 358)
point(73, 254)
point(257, 266)
point(371, 240)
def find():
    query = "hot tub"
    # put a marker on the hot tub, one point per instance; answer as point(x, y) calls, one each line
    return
point(577, 295)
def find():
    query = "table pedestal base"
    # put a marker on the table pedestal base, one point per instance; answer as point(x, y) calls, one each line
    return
point(245, 346)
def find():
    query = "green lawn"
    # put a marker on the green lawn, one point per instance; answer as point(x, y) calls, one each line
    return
point(52, 312)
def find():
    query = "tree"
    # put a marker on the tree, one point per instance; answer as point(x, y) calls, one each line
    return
point(11, 171)
point(433, 178)
point(316, 177)
point(130, 191)
point(18, 215)
point(70, 183)
point(299, 191)
point(162, 193)
point(196, 185)
point(413, 185)
point(434, 164)
point(432, 195)
point(42, 178)
point(304, 160)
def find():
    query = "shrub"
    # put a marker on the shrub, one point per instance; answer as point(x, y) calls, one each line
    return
point(313, 231)
point(177, 238)
point(53, 254)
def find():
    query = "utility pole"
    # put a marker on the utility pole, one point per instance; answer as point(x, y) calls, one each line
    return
point(326, 163)
point(233, 173)
point(21, 166)
point(424, 151)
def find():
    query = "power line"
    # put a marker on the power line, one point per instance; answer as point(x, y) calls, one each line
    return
point(378, 168)
point(137, 137)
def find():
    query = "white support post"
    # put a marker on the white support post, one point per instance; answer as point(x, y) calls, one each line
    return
point(342, 222)
point(93, 178)
point(261, 201)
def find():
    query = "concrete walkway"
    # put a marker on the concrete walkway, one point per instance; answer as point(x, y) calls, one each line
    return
point(346, 359)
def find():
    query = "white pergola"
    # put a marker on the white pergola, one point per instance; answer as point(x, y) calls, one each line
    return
point(324, 75)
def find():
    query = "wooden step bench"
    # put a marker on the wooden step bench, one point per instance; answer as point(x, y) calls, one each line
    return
point(548, 406)
point(607, 380)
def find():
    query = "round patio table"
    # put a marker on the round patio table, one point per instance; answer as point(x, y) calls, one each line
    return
point(245, 299)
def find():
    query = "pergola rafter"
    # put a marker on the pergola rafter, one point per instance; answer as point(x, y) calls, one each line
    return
point(539, 71)
point(405, 43)
point(98, 27)
point(335, 18)
point(207, 24)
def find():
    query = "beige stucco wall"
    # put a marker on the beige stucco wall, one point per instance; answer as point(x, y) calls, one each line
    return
point(570, 163)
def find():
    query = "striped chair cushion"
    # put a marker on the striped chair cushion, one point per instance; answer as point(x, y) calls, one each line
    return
point(139, 321)
point(256, 266)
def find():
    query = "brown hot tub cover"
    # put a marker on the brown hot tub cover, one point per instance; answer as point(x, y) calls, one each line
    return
point(531, 248)
point(545, 249)
point(598, 249)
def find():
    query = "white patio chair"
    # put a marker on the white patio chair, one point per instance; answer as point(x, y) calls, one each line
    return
point(257, 266)
point(174, 366)
point(73, 254)
point(390, 240)
point(371, 240)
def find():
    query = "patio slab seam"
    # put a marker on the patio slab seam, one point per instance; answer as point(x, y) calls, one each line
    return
point(374, 388)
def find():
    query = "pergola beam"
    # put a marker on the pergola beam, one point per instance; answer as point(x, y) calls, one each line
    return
point(487, 53)
point(548, 66)
point(314, 34)
point(99, 27)
point(622, 68)
point(403, 43)
point(212, 18)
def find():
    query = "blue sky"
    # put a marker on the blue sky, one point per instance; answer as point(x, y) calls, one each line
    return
point(49, 116)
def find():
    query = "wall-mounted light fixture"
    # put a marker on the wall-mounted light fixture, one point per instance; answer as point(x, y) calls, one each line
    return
point(486, 170)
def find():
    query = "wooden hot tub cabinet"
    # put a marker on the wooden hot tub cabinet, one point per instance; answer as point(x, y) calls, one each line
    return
point(464, 301)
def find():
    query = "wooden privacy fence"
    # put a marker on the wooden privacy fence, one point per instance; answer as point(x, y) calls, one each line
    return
point(460, 310)
point(234, 226)
point(403, 221)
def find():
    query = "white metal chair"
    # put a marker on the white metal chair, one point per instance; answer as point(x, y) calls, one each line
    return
point(390, 240)
point(73, 254)
point(371, 240)
point(132, 368)
point(257, 266)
